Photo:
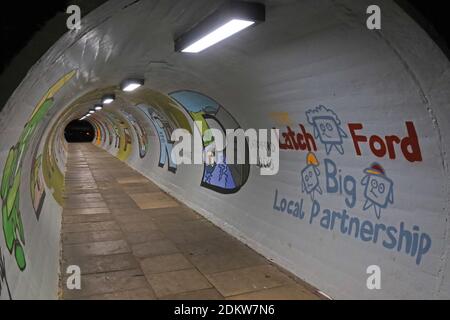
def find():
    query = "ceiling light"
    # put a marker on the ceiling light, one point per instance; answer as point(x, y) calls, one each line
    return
point(225, 31)
point(109, 98)
point(98, 107)
point(130, 85)
point(230, 19)
point(81, 119)
point(91, 111)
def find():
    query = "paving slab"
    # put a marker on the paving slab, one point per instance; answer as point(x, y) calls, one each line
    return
point(154, 200)
point(231, 283)
point(132, 241)
point(175, 282)
point(161, 264)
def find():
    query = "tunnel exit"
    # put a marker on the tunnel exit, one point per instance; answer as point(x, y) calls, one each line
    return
point(79, 131)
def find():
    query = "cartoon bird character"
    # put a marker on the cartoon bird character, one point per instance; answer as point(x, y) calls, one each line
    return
point(379, 191)
point(310, 176)
point(327, 128)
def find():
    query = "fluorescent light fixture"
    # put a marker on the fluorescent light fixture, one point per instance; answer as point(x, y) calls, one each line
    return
point(108, 99)
point(230, 19)
point(81, 119)
point(91, 111)
point(88, 115)
point(130, 85)
point(225, 31)
point(98, 107)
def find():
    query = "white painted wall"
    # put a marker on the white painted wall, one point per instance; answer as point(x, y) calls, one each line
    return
point(307, 53)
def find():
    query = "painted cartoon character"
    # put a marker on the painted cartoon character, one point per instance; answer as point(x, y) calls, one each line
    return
point(327, 128)
point(12, 175)
point(310, 176)
point(379, 192)
point(218, 174)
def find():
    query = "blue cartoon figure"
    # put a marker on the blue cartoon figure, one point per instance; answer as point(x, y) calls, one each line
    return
point(310, 176)
point(379, 192)
point(327, 128)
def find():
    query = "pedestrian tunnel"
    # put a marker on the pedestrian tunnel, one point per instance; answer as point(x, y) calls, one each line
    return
point(363, 120)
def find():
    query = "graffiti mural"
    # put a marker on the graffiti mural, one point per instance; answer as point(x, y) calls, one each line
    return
point(4, 285)
point(164, 130)
point(104, 132)
point(354, 195)
point(98, 132)
point(116, 136)
point(220, 176)
point(140, 133)
point(310, 176)
point(108, 127)
point(37, 186)
point(52, 169)
point(128, 141)
point(379, 191)
point(12, 174)
point(123, 142)
point(327, 128)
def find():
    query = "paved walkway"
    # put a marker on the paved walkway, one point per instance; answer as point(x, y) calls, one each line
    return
point(133, 241)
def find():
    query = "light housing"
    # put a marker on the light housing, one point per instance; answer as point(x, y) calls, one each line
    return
point(229, 19)
point(130, 85)
point(109, 98)
point(98, 107)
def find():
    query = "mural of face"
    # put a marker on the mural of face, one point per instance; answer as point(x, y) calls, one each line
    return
point(327, 128)
point(310, 176)
point(379, 189)
point(37, 186)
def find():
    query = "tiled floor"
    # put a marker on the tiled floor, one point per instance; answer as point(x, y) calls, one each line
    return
point(133, 241)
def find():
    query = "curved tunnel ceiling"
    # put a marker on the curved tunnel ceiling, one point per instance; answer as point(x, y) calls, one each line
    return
point(385, 95)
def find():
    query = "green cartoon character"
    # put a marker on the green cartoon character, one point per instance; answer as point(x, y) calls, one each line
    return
point(12, 173)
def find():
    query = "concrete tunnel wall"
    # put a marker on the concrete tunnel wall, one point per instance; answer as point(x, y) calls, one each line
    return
point(309, 59)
